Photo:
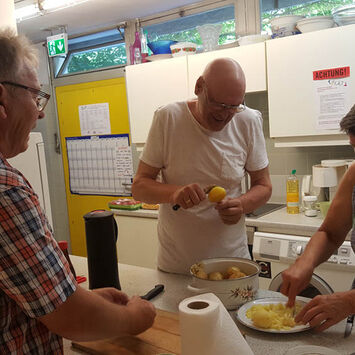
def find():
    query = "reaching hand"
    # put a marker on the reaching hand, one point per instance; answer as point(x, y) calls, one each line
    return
point(188, 196)
point(142, 314)
point(112, 295)
point(230, 210)
point(295, 279)
point(324, 311)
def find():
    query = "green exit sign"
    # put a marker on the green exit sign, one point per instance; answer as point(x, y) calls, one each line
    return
point(57, 45)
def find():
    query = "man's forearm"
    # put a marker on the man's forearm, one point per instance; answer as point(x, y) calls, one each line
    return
point(151, 191)
point(86, 316)
point(257, 196)
point(318, 250)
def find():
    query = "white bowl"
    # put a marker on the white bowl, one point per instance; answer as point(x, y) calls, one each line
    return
point(251, 39)
point(232, 292)
point(183, 48)
point(315, 23)
point(283, 26)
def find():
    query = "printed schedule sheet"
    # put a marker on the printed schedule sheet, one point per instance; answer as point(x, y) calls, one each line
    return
point(100, 165)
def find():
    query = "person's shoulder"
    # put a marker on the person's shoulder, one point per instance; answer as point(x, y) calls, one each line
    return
point(171, 108)
point(252, 115)
point(249, 119)
point(10, 177)
point(351, 173)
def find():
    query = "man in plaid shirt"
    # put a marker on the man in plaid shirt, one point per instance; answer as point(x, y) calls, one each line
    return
point(40, 301)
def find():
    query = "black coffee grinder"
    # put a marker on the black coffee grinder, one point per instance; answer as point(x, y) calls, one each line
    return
point(101, 238)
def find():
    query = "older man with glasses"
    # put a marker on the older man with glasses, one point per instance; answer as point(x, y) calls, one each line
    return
point(40, 300)
point(211, 140)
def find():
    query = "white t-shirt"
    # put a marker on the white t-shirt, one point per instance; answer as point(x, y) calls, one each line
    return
point(188, 153)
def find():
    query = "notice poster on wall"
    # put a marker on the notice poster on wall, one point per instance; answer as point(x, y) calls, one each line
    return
point(100, 165)
point(332, 96)
point(94, 119)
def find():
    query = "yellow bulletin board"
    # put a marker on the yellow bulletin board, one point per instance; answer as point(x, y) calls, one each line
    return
point(69, 98)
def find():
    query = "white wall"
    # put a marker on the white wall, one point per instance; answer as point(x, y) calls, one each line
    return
point(49, 127)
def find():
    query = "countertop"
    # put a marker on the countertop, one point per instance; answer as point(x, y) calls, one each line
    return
point(137, 280)
point(279, 220)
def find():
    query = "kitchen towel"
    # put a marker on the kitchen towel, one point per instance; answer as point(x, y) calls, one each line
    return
point(206, 328)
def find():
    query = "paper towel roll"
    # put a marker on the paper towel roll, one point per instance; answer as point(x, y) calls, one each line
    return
point(207, 329)
point(324, 176)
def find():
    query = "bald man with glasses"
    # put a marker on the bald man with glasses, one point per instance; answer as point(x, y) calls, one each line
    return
point(211, 140)
point(40, 300)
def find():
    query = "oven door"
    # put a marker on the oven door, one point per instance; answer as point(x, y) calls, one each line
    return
point(317, 286)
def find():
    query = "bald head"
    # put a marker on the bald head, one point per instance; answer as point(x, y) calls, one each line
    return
point(225, 76)
point(219, 90)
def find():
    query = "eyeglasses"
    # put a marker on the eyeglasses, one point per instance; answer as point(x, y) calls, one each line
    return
point(218, 106)
point(41, 97)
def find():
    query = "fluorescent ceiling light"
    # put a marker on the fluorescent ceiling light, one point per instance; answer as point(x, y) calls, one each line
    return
point(27, 12)
point(59, 4)
point(42, 7)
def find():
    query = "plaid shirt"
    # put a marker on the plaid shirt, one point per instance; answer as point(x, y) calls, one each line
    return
point(35, 277)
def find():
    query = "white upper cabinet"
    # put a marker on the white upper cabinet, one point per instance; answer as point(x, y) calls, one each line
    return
point(294, 102)
point(151, 85)
point(250, 57)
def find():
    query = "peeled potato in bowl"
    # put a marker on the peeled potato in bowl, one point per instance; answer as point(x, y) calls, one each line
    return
point(215, 276)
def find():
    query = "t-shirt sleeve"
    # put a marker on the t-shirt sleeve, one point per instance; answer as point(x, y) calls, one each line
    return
point(153, 154)
point(33, 270)
point(257, 157)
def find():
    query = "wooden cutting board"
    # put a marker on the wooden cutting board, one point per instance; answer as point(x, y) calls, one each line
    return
point(162, 337)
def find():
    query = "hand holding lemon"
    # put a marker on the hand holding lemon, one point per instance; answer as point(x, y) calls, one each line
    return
point(215, 194)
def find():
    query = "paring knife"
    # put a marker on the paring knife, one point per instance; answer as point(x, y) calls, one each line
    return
point(153, 292)
point(206, 190)
point(349, 325)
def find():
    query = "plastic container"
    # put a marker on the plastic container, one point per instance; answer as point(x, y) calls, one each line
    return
point(63, 245)
point(310, 206)
point(292, 194)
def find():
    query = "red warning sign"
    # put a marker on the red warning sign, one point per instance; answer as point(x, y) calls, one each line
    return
point(334, 73)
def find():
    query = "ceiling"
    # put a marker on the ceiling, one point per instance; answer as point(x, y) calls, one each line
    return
point(94, 14)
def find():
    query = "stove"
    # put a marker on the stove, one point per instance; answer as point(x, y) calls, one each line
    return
point(265, 209)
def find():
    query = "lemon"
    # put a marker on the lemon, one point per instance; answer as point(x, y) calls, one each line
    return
point(217, 194)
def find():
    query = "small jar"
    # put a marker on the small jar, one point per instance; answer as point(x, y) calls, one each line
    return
point(310, 209)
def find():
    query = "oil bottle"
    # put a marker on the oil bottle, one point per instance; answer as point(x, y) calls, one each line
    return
point(292, 193)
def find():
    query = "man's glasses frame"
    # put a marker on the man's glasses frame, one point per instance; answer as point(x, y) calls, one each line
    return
point(41, 99)
point(221, 106)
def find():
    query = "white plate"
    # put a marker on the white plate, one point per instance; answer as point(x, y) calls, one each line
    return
point(152, 58)
point(311, 349)
point(241, 315)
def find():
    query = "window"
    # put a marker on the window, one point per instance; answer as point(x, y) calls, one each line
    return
point(274, 8)
point(93, 52)
point(184, 28)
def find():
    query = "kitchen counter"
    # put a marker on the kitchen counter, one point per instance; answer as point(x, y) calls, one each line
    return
point(279, 219)
point(137, 280)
